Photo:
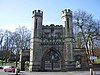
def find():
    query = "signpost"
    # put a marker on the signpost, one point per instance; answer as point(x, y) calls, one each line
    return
point(93, 57)
point(91, 69)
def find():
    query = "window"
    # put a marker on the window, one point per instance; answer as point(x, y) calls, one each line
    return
point(68, 23)
point(58, 34)
point(36, 23)
point(47, 34)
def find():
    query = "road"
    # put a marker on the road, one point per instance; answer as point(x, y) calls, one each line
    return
point(50, 73)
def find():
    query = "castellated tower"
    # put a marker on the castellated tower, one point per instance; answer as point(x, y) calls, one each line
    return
point(35, 48)
point(68, 38)
point(51, 46)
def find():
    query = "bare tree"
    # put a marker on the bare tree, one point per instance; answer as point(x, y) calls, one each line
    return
point(87, 26)
point(21, 40)
point(13, 42)
point(2, 34)
point(7, 45)
point(24, 35)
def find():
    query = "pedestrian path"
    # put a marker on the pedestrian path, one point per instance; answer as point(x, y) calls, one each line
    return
point(51, 73)
point(59, 73)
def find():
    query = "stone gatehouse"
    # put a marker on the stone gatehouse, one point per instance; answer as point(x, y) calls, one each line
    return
point(52, 46)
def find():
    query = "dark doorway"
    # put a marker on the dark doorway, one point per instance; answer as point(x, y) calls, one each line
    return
point(24, 63)
point(78, 61)
point(52, 61)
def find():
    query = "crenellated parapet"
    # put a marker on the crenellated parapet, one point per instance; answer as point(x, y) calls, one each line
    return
point(37, 13)
point(66, 12)
point(52, 25)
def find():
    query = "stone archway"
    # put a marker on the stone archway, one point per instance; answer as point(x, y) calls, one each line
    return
point(52, 60)
point(78, 61)
point(24, 56)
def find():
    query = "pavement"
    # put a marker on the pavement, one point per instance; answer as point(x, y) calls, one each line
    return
point(50, 73)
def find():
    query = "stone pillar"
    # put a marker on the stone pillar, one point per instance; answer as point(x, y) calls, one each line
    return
point(22, 62)
point(68, 39)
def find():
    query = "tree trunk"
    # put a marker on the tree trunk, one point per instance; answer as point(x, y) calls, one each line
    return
point(16, 61)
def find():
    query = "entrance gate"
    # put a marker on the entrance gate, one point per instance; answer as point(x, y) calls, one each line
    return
point(52, 61)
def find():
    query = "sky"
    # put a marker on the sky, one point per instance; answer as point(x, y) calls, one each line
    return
point(15, 13)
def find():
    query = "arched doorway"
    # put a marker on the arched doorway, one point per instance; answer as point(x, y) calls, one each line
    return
point(52, 60)
point(78, 61)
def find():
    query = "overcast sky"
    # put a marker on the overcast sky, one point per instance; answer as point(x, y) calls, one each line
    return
point(19, 12)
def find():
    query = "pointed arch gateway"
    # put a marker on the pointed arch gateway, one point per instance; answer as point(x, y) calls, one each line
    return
point(52, 60)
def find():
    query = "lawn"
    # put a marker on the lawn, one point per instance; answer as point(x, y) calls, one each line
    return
point(97, 61)
point(8, 63)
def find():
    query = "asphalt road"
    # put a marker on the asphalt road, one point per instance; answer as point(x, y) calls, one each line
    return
point(50, 73)
point(10, 73)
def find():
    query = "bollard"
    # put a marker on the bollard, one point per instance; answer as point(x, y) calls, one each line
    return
point(91, 71)
point(16, 72)
point(94, 72)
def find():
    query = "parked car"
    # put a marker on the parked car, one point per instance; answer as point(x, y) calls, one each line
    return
point(10, 69)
